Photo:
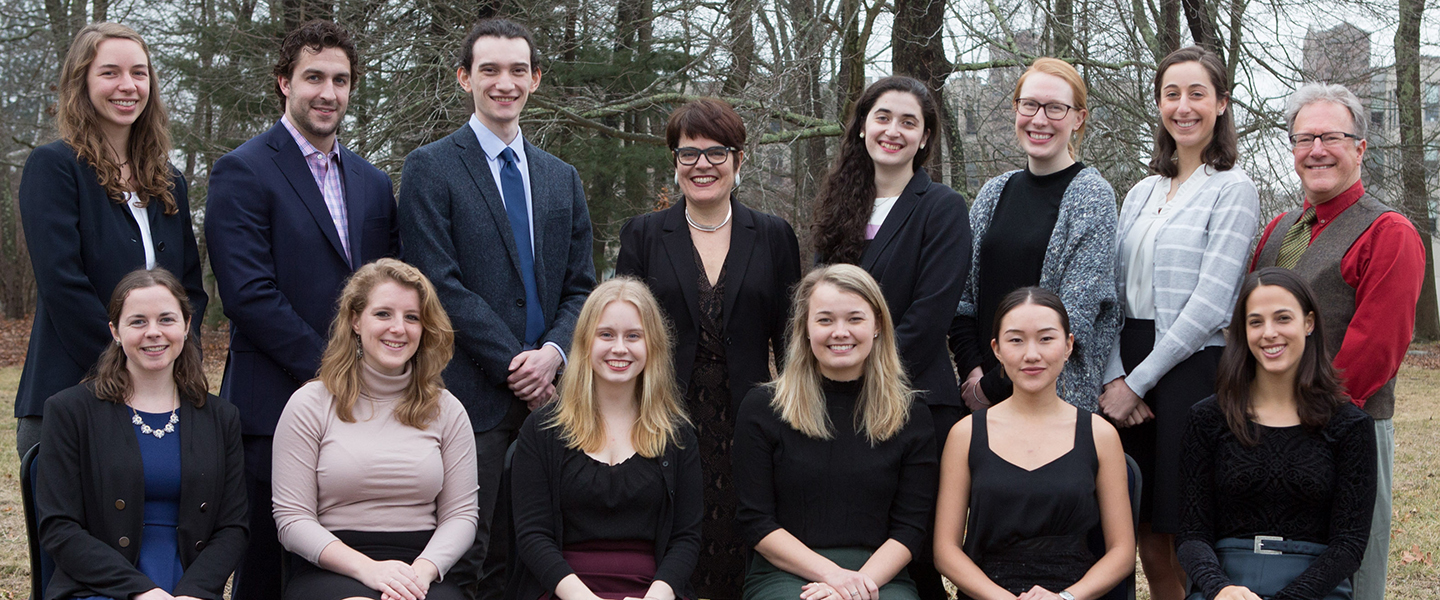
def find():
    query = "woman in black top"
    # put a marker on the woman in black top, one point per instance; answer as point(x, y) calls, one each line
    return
point(835, 464)
point(722, 273)
point(606, 481)
point(1025, 481)
point(1278, 451)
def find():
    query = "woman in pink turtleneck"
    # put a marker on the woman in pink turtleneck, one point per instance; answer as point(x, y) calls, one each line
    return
point(374, 464)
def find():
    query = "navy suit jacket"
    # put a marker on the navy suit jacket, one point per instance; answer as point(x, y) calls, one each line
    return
point(456, 231)
point(279, 265)
point(81, 244)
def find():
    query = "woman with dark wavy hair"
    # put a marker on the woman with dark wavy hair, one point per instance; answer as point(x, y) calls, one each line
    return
point(879, 209)
point(1176, 295)
point(97, 204)
point(140, 490)
point(1278, 467)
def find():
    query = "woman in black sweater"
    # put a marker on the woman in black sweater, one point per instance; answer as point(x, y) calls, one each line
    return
point(606, 481)
point(1278, 453)
point(835, 463)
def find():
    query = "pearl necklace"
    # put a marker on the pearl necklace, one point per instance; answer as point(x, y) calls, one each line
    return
point(158, 433)
point(706, 228)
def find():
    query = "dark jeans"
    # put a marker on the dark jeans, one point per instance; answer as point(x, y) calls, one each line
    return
point(480, 572)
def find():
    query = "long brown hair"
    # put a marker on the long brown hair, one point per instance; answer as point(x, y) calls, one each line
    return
point(110, 379)
point(1318, 390)
point(340, 366)
point(883, 407)
point(846, 199)
point(1221, 153)
point(79, 123)
point(661, 412)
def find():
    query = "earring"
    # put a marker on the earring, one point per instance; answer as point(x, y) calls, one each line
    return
point(117, 341)
point(359, 347)
point(922, 146)
point(862, 135)
point(677, 181)
point(877, 336)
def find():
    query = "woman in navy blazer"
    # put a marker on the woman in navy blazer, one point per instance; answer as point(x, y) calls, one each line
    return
point(99, 203)
point(879, 209)
point(140, 487)
point(722, 273)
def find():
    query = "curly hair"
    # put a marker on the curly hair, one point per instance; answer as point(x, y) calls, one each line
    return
point(340, 365)
point(314, 36)
point(79, 123)
point(843, 207)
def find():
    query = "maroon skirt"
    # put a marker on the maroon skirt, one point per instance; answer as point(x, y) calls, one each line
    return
point(612, 569)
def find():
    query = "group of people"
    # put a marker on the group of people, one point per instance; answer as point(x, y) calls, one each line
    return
point(950, 391)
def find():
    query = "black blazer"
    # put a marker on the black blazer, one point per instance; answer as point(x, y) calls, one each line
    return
point(539, 526)
point(921, 257)
point(279, 264)
point(81, 244)
point(91, 497)
point(760, 270)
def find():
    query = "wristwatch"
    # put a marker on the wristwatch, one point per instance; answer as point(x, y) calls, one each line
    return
point(1066, 595)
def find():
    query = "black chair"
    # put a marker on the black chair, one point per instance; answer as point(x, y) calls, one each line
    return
point(1126, 589)
point(41, 565)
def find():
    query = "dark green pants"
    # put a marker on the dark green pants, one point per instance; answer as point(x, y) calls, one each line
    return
point(765, 581)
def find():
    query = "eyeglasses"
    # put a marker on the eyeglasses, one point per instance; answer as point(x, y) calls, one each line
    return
point(715, 155)
point(1331, 139)
point(1053, 110)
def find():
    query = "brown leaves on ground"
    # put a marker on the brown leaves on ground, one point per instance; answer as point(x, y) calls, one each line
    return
point(1424, 355)
point(1414, 554)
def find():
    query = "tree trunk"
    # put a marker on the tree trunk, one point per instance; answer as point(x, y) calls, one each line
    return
point(742, 45)
point(919, 51)
point(1201, 18)
point(851, 81)
point(1062, 29)
point(1415, 198)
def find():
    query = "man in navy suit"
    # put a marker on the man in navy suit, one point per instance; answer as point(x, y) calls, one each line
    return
point(291, 214)
point(502, 229)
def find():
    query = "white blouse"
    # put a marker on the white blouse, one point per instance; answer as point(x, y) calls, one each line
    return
point(142, 218)
point(1137, 252)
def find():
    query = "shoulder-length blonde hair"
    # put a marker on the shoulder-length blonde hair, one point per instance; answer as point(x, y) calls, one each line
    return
point(340, 367)
point(79, 123)
point(883, 407)
point(661, 414)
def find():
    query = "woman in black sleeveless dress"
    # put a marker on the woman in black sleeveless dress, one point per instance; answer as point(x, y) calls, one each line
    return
point(1035, 474)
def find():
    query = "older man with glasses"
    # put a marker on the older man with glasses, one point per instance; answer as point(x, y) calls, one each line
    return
point(1366, 263)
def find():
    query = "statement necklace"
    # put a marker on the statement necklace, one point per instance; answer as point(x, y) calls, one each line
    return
point(158, 433)
point(708, 228)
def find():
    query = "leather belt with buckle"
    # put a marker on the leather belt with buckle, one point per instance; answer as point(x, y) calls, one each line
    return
point(1260, 541)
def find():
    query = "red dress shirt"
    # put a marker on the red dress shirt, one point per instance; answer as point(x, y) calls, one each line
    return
point(1386, 266)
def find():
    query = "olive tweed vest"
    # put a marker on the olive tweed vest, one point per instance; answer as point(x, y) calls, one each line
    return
point(1320, 267)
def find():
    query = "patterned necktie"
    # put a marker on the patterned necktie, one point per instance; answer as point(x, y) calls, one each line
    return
point(1297, 239)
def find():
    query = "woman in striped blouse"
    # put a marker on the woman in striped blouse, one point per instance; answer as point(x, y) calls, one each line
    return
point(1177, 294)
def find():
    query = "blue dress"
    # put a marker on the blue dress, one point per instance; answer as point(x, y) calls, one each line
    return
point(159, 544)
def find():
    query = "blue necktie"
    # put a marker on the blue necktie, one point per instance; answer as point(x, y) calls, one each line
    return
point(513, 188)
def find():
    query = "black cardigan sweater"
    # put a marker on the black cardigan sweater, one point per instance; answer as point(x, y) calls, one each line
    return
point(539, 532)
point(90, 496)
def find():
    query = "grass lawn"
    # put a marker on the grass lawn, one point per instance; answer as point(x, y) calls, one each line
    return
point(1414, 545)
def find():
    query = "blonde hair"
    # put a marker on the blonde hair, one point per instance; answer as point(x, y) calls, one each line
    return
point(661, 413)
point(883, 407)
point(1078, 91)
point(340, 366)
point(79, 123)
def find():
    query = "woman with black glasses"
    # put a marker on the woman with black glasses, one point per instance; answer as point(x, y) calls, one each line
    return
point(722, 274)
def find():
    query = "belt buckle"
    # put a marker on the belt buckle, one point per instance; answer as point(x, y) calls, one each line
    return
point(1260, 541)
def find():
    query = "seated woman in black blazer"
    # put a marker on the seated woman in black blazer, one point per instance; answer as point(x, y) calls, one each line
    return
point(722, 273)
point(1278, 453)
point(606, 481)
point(141, 493)
point(835, 461)
point(107, 181)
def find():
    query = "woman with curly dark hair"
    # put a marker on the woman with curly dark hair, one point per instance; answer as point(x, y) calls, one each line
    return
point(879, 209)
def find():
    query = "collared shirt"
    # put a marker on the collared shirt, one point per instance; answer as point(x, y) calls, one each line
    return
point(325, 168)
point(1384, 266)
point(493, 146)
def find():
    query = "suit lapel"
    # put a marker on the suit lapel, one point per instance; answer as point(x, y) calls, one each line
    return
point(899, 214)
point(541, 196)
point(742, 244)
point(354, 204)
point(681, 252)
point(292, 165)
point(473, 157)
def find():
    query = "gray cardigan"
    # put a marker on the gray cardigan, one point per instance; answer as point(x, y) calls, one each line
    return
point(1200, 260)
point(1079, 267)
